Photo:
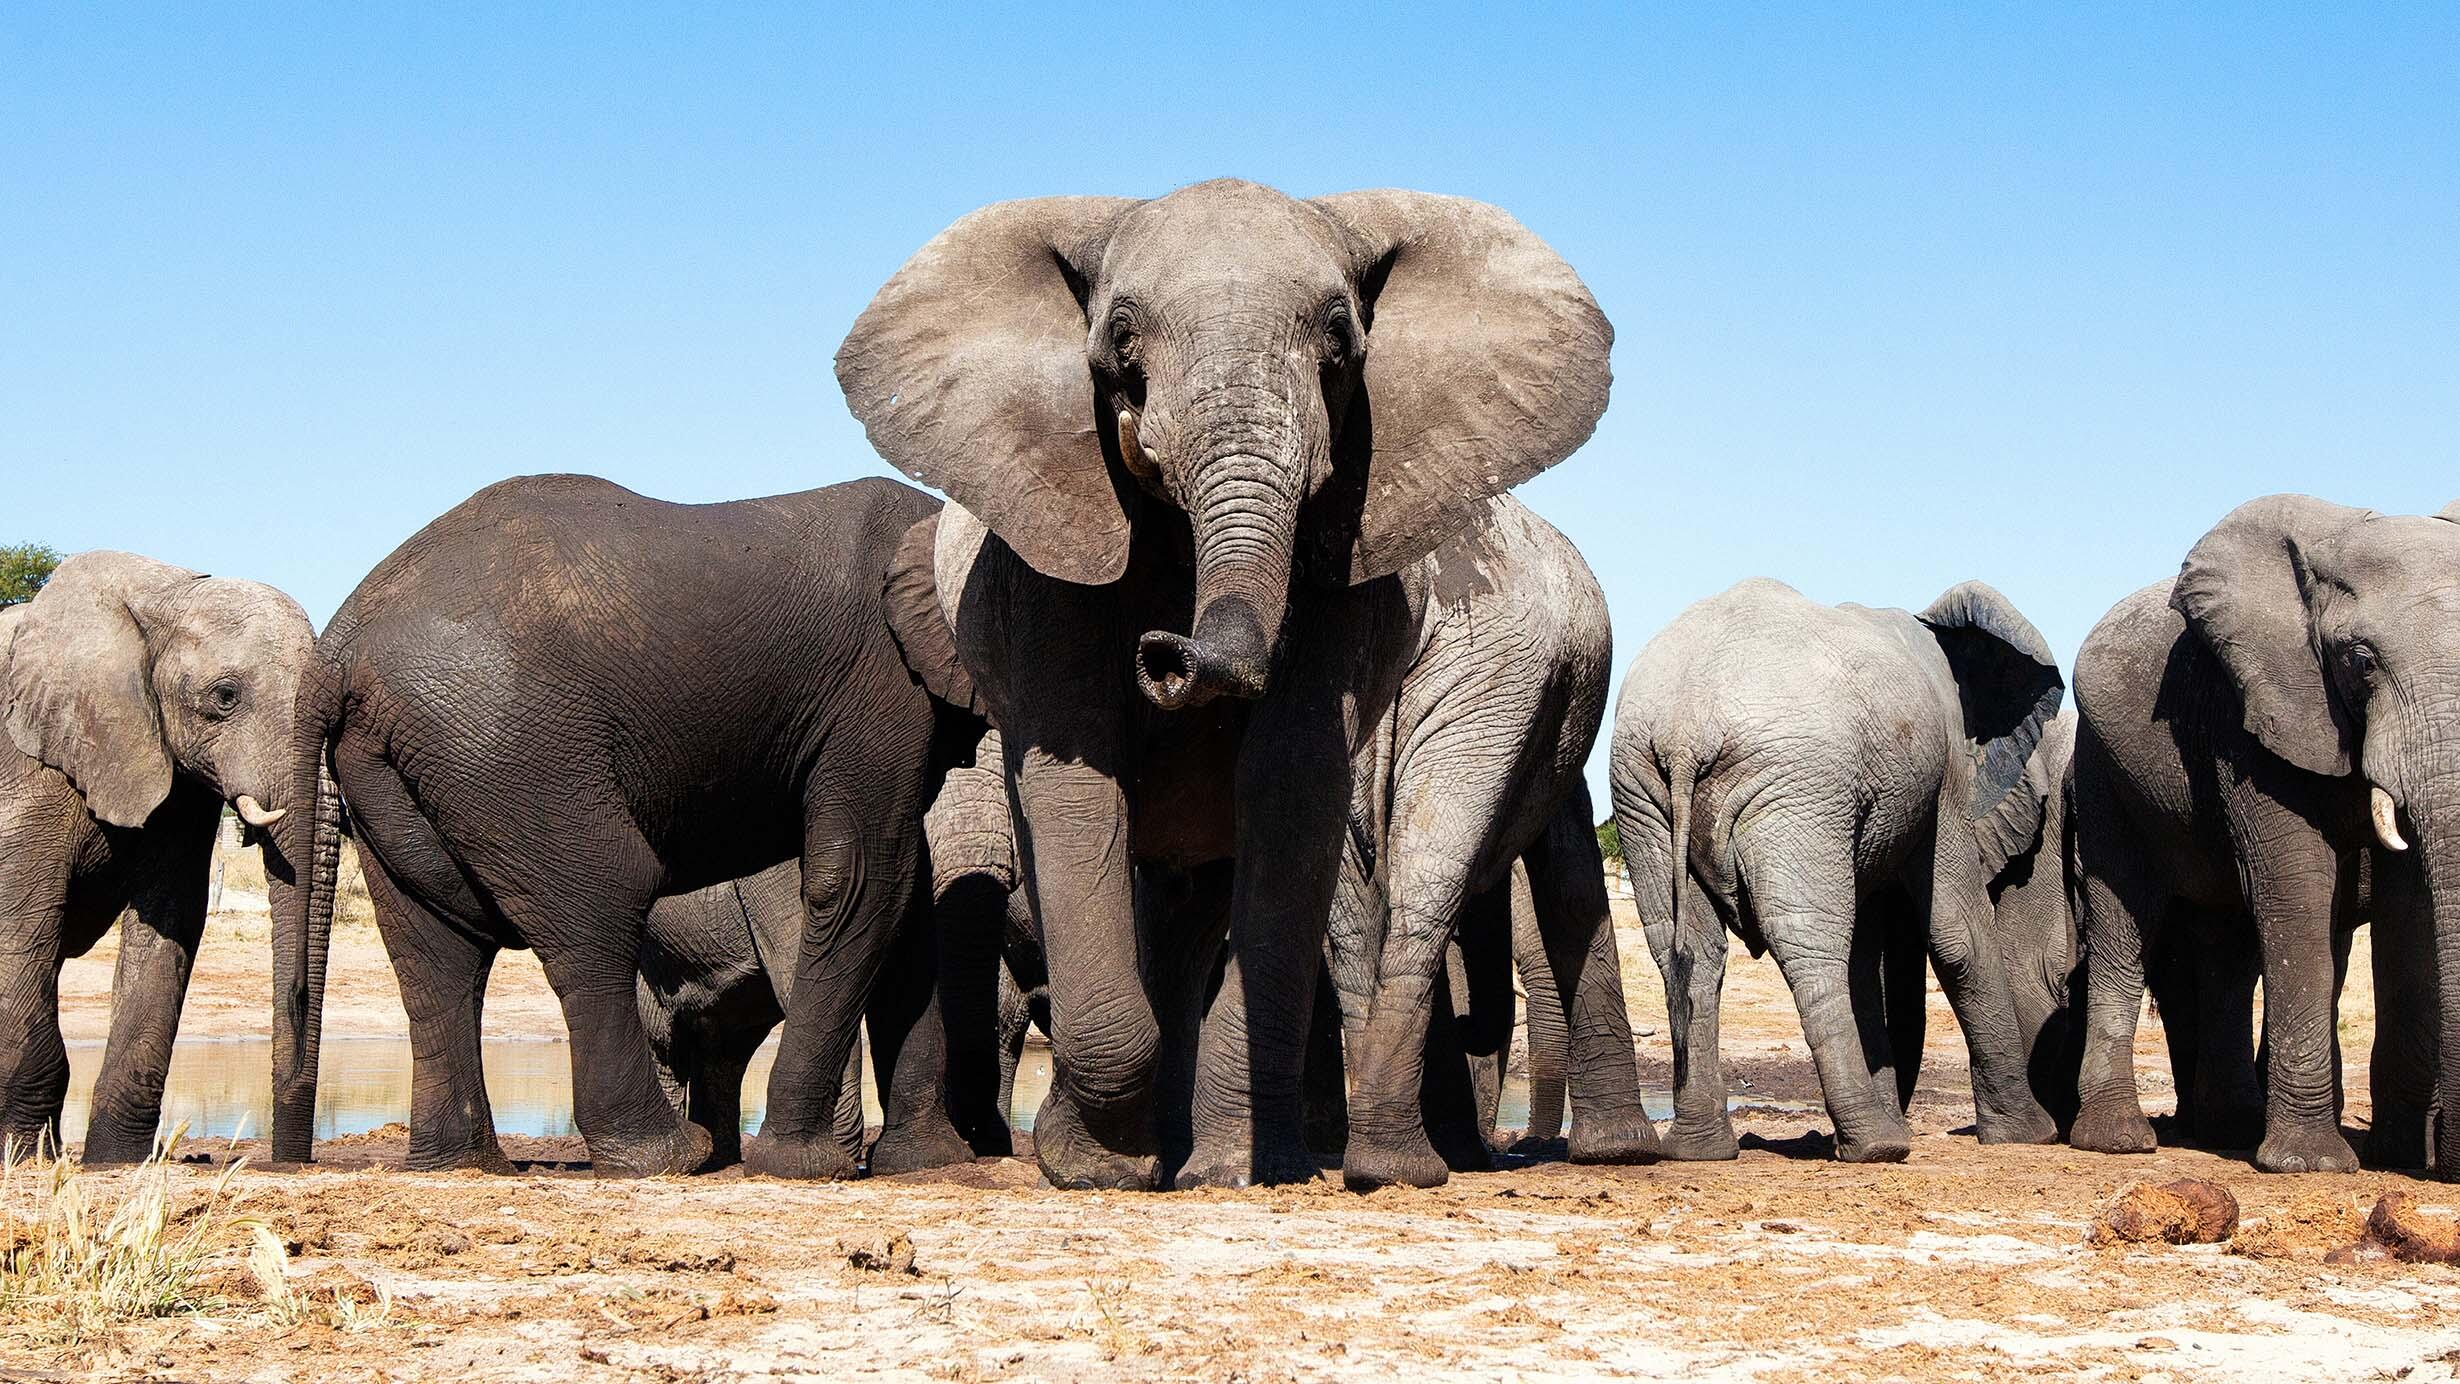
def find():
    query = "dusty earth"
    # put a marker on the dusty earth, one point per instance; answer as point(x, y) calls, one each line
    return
point(1961, 1263)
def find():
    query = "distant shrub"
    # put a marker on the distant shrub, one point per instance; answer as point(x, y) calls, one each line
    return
point(1610, 842)
point(24, 567)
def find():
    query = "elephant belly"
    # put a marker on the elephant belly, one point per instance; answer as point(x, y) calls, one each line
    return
point(1182, 803)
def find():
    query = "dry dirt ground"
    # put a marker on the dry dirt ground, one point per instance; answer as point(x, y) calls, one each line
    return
point(1962, 1263)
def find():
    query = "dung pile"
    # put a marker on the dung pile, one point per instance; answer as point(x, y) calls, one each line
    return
point(2187, 1211)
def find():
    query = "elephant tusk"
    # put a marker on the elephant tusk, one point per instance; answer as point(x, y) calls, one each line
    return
point(254, 814)
point(2387, 829)
point(1132, 447)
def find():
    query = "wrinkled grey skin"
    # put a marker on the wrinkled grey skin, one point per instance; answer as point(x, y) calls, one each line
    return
point(1838, 786)
point(717, 966)
point(138, 697)
point(1211, 441)
point(2235, 725)
point(2036, 930)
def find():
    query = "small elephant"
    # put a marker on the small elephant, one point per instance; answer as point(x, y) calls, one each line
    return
point(138, 698)
point(717, 969)
point(2036, 926)
point(2262, 741)
point(1840, 785)
point(1251, 418)
point(562, 701)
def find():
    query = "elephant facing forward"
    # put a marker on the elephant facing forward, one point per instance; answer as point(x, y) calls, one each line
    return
point(1838, 786)
point(2262, 741)
point(1202, 449)
point(138, 698)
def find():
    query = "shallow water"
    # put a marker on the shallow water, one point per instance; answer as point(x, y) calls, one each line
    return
point(223, 1088)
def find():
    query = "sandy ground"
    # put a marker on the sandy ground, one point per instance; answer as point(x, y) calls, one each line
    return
point(1962, 1263)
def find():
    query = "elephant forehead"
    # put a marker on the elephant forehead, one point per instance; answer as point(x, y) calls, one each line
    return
point(1241, 234)
point(2387, 553)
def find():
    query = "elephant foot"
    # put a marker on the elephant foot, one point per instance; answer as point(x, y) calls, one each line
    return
point(2032, 1126)
point(725, 1150)
point(486, 1157)
point(682, 1149)
point(2306, 1149)
point(2397, 1140)
point(1462, 1147)
point(1887, 1147)
point(918, 1145)
point(1242, 1160)
point(1072, 1160)
point(1626, 1138)
point(1407, 1161)
point(800, 1157)
point(2108, 1129)
point(1700, 1141)
point(108, 1148)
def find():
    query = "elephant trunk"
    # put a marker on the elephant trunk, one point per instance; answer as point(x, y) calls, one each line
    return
point(2439, 857)
point(1242, 501)
point(310, 844)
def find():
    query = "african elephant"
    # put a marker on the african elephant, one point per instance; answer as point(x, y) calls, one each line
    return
point(562, 701)
point(2257, 738)
point(1840, 785)
point(2034, 921)
point(716, 973)
point(138, 698)
point(1274, 424)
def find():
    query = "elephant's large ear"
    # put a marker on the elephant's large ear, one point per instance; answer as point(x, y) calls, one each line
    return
point(2242, 590)
point(968, 371)
point(80, 685)
point(914, 617)
point(2008, 684)
point(1486, 363)
point(2449, 512)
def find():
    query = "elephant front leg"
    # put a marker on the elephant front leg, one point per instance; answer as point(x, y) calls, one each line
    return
point(1567, 886)
point(2290, 891)
point(158, 940)
point(858, 890)
point(910, 1061)
point(1096, 1125)
point(2401, 1075)
point(1249, 1108)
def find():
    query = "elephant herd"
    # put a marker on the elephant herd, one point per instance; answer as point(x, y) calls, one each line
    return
point(1229, 720)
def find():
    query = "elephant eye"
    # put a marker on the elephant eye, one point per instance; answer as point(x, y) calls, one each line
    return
point(2361, 661)
point(1122, 335)
point(222, 698)
point(1340, 334)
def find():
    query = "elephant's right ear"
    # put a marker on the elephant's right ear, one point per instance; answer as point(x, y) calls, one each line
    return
point(2449, 512)
point(921, 629)
point(2242, 590)
point(968, 371)
point(80, 689)
point(2008, 684)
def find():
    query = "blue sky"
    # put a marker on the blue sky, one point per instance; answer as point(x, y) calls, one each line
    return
point(1904, 294)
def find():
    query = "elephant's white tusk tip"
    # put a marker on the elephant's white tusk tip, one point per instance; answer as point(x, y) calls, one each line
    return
point(255, 814)
point(2387, 826)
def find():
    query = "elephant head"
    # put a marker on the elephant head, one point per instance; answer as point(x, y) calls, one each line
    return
point(124, 672)
point(1329, 386)
point(2340, 630)
point(2007, 687)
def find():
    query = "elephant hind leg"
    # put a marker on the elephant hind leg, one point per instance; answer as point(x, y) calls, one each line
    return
point(442, 971)
point(1891, 922)
point(1800, 880)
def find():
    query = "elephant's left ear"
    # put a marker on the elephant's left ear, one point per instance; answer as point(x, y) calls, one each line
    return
point(2450, 511)
point(80, 687)
point(1486, 363)
point(2009, 686)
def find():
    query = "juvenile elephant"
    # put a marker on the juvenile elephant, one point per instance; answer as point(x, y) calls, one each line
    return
point(1840, 785)
point(2036, 929)
point(717, 974)
point(138, 698)
point(717, 970)
point(2258, 739)
point(562, 701)
point(1274, 424)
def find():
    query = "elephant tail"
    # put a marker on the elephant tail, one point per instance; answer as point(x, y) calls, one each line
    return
point(1682, 777)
